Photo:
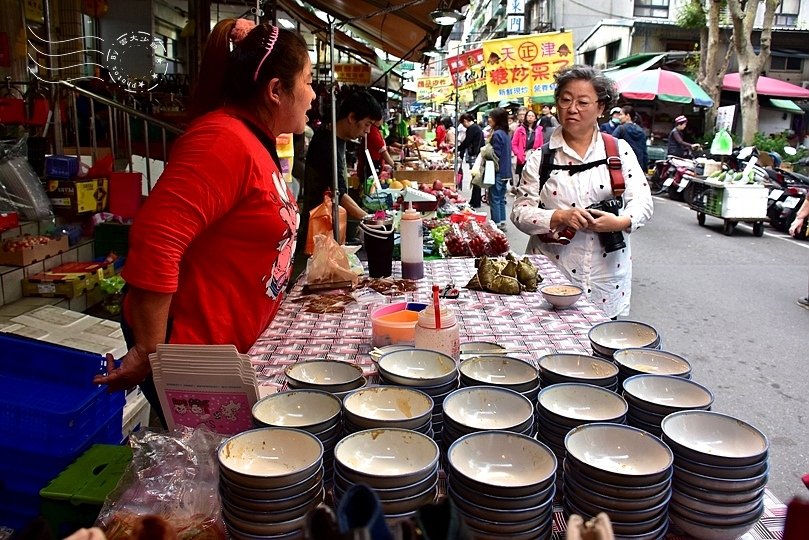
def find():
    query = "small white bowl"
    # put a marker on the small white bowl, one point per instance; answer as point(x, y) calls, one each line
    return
point(611, 336)
point(499, 371)
point(487, 407)
point(665, 394)
point(718, 509)
point(710, 532)
point(312, 410)
point(719, 519)
point(329, 375)
point(481, 347)
point(388, 406)
point(418, 367)
point(640, 360)
point(577, 368)
point(271, 495)
point(264, 529)
point(561, 295)
point(646, 491)
point(580, 402)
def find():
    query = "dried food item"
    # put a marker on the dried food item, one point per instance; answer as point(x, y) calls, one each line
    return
point(487, 271)
point(326, 303)
point(505, 285)
point(474, 284)
point(389, 286)
point(528, 274)
point(510, 269)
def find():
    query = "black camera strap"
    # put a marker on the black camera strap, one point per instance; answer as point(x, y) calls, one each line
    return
point(612, 161)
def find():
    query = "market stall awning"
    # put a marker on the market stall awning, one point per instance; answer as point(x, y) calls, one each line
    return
point(786, 105)
point(663, 85)
point(766, 86)
point(618, 73)
point(401, 32)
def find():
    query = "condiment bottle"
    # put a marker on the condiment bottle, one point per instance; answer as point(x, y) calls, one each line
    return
point(412, 244)
point(443, 337)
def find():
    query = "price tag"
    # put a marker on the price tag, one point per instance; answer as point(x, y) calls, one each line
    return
point(791, 202)
point(683, 184)
point(46, 288)
point(668, 182)
point(776, 194)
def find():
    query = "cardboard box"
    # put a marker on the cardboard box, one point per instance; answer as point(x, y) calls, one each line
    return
point(447, 176)
point(37, 253)
point(80, 196)
point(68, 280)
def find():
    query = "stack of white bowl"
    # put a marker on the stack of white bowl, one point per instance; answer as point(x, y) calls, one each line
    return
point(502, 371)
point(653, 397)
point(577, 368)
point(269, 479)
point(623, 472)
point(637, 361)
point(720, 472)
point(314, 411)
point(482, 408)
point(332, 376)
point(609, 337)
point(400, 465)
point(433, 373)
point(503, 484)
point(388, 407)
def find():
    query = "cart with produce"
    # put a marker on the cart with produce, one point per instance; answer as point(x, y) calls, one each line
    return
point(731, 197)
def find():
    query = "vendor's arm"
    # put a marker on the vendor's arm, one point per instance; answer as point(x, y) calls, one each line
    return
point(386, 157)
point(800, 218)
point(352, 208)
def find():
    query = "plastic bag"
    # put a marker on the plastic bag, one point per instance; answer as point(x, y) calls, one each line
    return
point(20, 186)
point(329, 263)
point(174, 476)
point(456, 242)
point(498, 241)
point(321, 222)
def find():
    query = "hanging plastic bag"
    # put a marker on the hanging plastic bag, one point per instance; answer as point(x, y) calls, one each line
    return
point(321, 222)
point(329, 263)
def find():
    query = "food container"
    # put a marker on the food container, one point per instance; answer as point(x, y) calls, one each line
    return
point(446, 339)
point(395, 323)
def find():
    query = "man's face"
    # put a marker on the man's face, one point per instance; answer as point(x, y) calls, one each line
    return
point(358, 128)
point(681, 127)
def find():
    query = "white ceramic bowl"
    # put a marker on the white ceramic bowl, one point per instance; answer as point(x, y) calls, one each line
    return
point(721, 497)
point(388, 406)
point(640, 360)
point(610, 336)
point(580, 402)
point(386, 458)
point(566, 367)
point(647, 491)
point(731, 485)
point(274, 515)
point(260, 503)
point(665, 394)
point(311, 410)
point(270, 457)
point(483, 499)
point(619, 454)
point(718, 509)
point(487, 407)
point(329, 375)
point(561, 295)
point(499, 371)
point(264, 529)
point(730, 473)
point(710, 532)
point(502, 464)
point(714, 438)
point(587, 493)
point(481, 347)
point(537, 512)
point(270, 495)
point(418, 367)
point(719, 519)
point(648, 529)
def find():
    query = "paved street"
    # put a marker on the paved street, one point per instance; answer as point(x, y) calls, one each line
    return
point(727, 304)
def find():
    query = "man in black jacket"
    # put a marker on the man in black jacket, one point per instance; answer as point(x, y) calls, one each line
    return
point(471, 146)
point(633, 134)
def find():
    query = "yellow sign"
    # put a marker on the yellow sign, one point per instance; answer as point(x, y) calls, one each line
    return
point(524, 66)
point(434, 88)
point(353, 73)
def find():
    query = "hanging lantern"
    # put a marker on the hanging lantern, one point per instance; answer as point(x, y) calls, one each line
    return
point(95, 8)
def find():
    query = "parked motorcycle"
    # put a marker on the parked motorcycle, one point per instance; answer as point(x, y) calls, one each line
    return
point(787, 193)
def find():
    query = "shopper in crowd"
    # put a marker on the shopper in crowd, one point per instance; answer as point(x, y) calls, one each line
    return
point(516, 121)
point(556, 213)
point(211, 250)
point(501, 143)
point(527, 138)
point(677, 145)
point(614, 121)
point(440, 132)
point(548, 122)
point(375, 143)
point(449, 137)
point(633, 134)
point(469, 150)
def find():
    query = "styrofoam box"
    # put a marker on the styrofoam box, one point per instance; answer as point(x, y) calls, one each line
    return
point(136, 416)
point(744, 201)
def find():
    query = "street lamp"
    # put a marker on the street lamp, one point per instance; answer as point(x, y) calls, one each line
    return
point(445, 17)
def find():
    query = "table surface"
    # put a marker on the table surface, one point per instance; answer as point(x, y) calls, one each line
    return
point(525, 322)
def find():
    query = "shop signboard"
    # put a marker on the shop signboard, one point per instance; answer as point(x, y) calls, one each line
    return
point(468, 72)
point(724, 117)
point(353, 73)
point(436, 88)
point(523, 66)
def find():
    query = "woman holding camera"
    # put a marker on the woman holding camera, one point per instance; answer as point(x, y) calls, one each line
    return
point(575, 217)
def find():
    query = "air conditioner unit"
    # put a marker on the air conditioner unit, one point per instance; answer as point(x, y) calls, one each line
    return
point(804, 84)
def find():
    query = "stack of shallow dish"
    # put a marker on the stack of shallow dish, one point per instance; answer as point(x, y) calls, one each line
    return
point(653, 397)
point(609, 337)
point(503, 484)
point(388, 407)
point(622, 471)
point(400, 465)
point(269, 479)
point(331, 376)
point(315, 411)
point(482, 408)
point(637, 361)
point(720, 472)
point(577, 368)
point(502, 371)
point(433, 373)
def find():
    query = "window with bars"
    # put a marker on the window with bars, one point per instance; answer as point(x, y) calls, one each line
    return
point(652, 8)
point(786, 14)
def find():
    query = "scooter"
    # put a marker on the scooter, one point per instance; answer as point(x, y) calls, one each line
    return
point(668, 174)
point(785, 198)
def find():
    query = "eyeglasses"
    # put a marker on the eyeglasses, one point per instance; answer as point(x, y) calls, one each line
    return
point(566, 103)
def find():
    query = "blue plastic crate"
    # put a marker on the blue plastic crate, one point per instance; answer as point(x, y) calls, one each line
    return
point(64, 167)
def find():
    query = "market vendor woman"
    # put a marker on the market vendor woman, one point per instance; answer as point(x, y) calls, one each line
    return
point(212, 248)
point(557, 215)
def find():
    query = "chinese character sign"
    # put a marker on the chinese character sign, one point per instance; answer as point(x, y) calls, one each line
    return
point(468, 71)
point(524, 66)
point(353, 73)
point(433, 88)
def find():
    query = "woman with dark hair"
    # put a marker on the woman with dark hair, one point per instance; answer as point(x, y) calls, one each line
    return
point(469, 150)
point(527, 138)
point(568, 204)
point(633, 134)
point(501, 143)
point(221, 210)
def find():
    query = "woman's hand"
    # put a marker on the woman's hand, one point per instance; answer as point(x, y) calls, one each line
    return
point(572, 218)
point(796, 225)
point(607, 222)
point(133, 370)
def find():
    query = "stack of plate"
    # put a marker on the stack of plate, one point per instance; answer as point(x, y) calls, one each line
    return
point(400, 465)
point(623, 472)
point(720, 471)
point(502, 371)
point(503, 485)
point(433, 373)
point(314, 411)
point(577, 368)
point(653, 397)
point(388, 407)
point(637, 361)
point(481, 408)
point(608, 337)
point(331, 376)
point(564, 406)
point(269, 479)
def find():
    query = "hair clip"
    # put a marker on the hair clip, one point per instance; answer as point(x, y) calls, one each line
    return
point(240, 30)
point(270, 43)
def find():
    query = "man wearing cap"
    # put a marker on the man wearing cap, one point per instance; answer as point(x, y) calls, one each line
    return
point(677, 146)
point(614, 121)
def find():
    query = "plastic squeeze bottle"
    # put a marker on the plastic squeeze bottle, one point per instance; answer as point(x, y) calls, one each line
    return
point(412, 244)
